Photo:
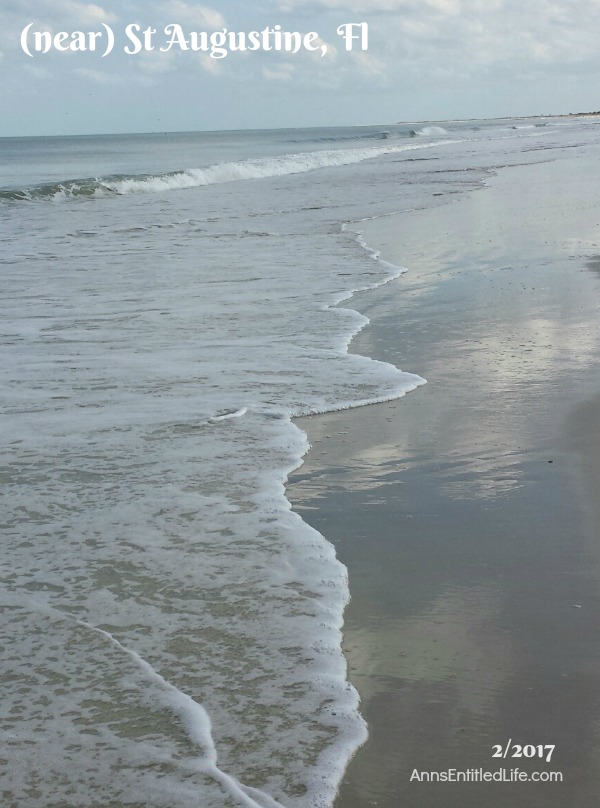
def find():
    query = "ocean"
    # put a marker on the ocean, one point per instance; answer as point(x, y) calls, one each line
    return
point(170, 302)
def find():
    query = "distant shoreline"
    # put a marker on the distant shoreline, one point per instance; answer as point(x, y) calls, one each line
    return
point(506, 118)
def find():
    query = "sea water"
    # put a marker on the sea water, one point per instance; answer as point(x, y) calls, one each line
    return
point(169, 302)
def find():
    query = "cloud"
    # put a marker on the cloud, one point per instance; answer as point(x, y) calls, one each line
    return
point(156, 62)
point(212, 66)
point(370, 7)
point(88, 13)
point(481, 32)
point(436, 47)
point(65, 13)
point(368, 65)
point(466, 36)
point(98, 76)
point(196, 16)
point(283, 72)
point(38, 72)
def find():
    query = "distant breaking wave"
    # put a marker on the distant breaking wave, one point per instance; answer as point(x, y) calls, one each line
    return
point(428, 131)
point(196, 177)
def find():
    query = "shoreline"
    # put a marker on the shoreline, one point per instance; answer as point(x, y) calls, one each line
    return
point(437, 503)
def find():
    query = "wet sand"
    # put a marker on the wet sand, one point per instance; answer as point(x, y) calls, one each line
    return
point(468, 513)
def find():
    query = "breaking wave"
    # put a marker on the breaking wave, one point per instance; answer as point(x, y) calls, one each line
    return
point(299, 163)
point(429, 131)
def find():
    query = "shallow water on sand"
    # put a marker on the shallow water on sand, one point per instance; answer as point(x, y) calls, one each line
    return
point(461, 512)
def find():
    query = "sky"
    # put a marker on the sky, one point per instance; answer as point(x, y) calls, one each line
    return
point(427, 60)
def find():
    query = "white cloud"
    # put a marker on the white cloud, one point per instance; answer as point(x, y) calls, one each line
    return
point(477, 31)
point(38, 72)
point(156, 62)
point(88, 13)
point(368, 65)
point(464, 36)
point(370, 7)
point(210, 65)
point(196, 16)
point(283, 72)
point(65, 13)
point(98, 76)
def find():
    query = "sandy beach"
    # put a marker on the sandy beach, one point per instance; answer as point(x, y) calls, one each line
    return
point(467, 512)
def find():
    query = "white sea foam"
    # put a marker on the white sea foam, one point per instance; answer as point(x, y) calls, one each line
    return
point(227, 415)
point(197, 723)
